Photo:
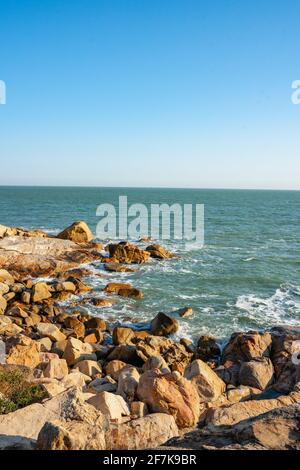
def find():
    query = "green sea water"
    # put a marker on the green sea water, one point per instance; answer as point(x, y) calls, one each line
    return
point(247, 275)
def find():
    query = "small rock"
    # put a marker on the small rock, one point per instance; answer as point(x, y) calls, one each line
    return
point(78, 232)
point(90, 368)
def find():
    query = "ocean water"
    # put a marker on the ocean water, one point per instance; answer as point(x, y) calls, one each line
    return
point(247, 275)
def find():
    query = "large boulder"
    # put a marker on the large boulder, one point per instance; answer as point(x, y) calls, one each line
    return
point(208, 384)
point(163, 325)
point(207, 349)
point(122, 335)
point(40, 292)
point(128, 253)
point(78, 232)
point(257, 374)
point(124, 290)
point(247, 346)
point(47, 330)
point(56, 369)
point(171, 394)
point(76, 351)
point(285, 347)
point(23, 351)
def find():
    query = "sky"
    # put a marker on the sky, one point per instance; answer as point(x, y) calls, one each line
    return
point(159, 93)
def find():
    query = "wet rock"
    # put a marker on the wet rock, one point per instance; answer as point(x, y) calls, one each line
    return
point(78, 232)
point(95, 323)
point(257, 374)
point(163, 325)
point(207, 349)
point(127, 253)
point(171, 394)
point(118, 268)
point(159, 252)
point(122, 335)
point(124, 290)
point(103, 303)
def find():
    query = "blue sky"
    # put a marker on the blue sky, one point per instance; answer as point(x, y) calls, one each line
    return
point(181, 93)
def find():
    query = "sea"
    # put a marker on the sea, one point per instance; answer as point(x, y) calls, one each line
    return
point(245, 276)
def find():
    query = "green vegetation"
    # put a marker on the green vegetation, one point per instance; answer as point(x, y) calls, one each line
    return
point(16, 392)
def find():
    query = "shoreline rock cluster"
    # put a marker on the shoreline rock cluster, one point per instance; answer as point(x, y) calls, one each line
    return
point(141, 389)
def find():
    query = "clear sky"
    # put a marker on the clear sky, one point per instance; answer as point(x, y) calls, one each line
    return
point(181, 93)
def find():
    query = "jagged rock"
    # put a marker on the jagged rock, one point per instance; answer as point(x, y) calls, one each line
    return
point(257, 374)
point(56, 369)
point(118, 268)
point(138, 409)
point(122, 335)
point(50, 331)
point(208, 384)
point(102, 303)
point(76, 351)
point(3, 305)
point(156, 362)
point(207, 348)
point(23, 351)
point(124, 290)
point(113, 406)
point(237, 412)
point(114, 367)
point(40, 292)
point(247, 346)
point(6, 277)
point(78, 232)
point(77, 327)
point(163, 325)
point(128, 381)
point(127, 253)
point(159, 252)
point(171, 394)
point(143, 433)
point(285, 344)
point(90, 368)
point(75, 379)
point(107, 384)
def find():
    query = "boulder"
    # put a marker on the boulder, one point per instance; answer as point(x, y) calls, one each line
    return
point(124, 290)
point(77, 327)
point(147, 432)
point(258, 373)
point(113, 406)
point(4, 288)
point(125, 353)
point(40, 292)
point(208, 384)
point(107, 384)
point(76, 351)
point(78, 232)
point(159, 252)
point(50, 331)
point(113, 368)
point(163, 325)
point(207, 349)
point(56, 369)
point(3, 305)
point(90, 368)
point(171, 394)
point(241, 411)
point(128, 253)
point(6, 277)
point(247, 346)
point(138, 409)
point(122, 335)
point(156, 362)
point(285, 346)
point(118, 268)
point(128, 381)
point(95, 323)
point(23, 351)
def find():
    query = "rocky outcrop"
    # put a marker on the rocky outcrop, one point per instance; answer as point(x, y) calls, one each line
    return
point(128, 253)
point(78, 232)
point(171, 394)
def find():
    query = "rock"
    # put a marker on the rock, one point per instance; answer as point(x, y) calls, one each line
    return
point(98, 385)
point(50, 331)
point(4, 288)
point(118, 268)
point(229, 372)
point(56, 435)
point(24, 352)
point(185, 312)
point(127, 253)
point(102, 303)
point(40, 292)
point(125, 353)
point(207, 349)
point(124, 290)
point(75, 379)
point(143, 433)
point(65, 286)
point(56, 369)
point(163, 325)
point(257, 374)
point(208, 384)
point(159, 252)
point(138, 409)
point(78, 232)
point(76, 351)
point(241, 411)
point(128, 381)
point(171, 394)
point(3, 305)
point(113, 368)
point(132, 293)
point(156, 362)
point(113, 406)
point(41, 257)
point(26, 297)
point(95, 323)
point(7, 328)
point(285, 344)
point(90, 368)
point(45, 344)
point(6, 277)
point(17, 311)
point(93, 337)
point(247, 346)
point(78, 328)
point(122, 335)
point(53, 388)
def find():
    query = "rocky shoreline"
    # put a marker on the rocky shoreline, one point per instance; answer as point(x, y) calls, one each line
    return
point(69, 380)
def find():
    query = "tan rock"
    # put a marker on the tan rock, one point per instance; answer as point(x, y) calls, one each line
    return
point(56, 369)
point(257, 374)
point(76, 351)
point(113, 406)
point(118, 268)
point(208, 384)
point(207, 348)
point(247, 346)
point(113, 368)
point(90, 368)
point(128, 253)
point(159, 252)
point(4, 288)
point(50, 331)
point(53, 388)
point(138, 409)
point(124, 290)
point(24, 352)
point(122, 335)
point(75, 379)
point(78, 232)
point(128, 381)
point(144, 433)
point(3, 305)
point(40, 292)
point(6, 277)
point(45, 344)
point(171, 394)
point(163, 325)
